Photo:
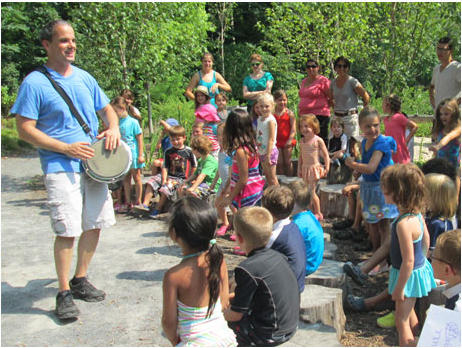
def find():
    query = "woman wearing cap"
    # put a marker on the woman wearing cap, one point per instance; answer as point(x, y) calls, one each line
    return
point(208, 78)
point(314, 97)
point(343, 93)
point(257, 82)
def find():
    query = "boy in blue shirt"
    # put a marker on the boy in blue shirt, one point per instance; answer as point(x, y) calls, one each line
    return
point(309, 226)
point(286, 237)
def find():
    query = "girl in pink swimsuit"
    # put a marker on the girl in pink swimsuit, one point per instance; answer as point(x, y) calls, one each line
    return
point(311, 147)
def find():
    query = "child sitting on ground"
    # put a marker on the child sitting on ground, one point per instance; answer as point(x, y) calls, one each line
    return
point(286, 237)
point(179, 164)
point(266, 303)
point(309, 226)
point(163, 142)
point(199, 183)
point(446, 266)
point(196, 290)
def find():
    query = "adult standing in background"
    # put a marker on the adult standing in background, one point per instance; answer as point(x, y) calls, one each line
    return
point(258, 82)
point(343, 95)
point(209, 78)
point(314, 97)
point(446, 75)
point(79, 206)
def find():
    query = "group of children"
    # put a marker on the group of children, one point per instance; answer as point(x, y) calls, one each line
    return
point(230, 151)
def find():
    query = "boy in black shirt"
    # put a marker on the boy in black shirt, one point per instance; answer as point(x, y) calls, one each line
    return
point(265, 307)
point(179, 163)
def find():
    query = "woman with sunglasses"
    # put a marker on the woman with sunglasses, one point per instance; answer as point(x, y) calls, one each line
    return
point(344, 91)
point(209, 78)
point(314, 97)
point(258, 82)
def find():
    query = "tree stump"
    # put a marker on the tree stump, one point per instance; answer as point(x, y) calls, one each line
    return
point(435, 297)
point(326, 237)
point(321, 183)
point(329, 274)
point(333, 202)
point(319, 303)
point(330, 251)
point(339, 174)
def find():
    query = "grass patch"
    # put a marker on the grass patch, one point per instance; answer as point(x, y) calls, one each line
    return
point(10, 139)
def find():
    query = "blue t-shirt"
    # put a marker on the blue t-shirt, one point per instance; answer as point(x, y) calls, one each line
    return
point(437, 226)
point(257, 85)
point(129, 129)
point(381, 144)
point(313, 235)
point(165, 143)
point(38, 100)
point(290, 243)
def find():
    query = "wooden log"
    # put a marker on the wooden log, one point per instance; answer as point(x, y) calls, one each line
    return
point(321, 183)
point(329, 274)
point(319, 303)
point(330, 251)
point(333, 202)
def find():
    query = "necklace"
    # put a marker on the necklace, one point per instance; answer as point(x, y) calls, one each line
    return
point(191, 255)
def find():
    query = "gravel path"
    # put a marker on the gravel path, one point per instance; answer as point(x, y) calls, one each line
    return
point(129, 265)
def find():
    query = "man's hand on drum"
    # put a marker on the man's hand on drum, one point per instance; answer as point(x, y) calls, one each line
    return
point(80, 150)
point(112, 136)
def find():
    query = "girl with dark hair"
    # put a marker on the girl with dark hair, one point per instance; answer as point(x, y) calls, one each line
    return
point(196, 290)
point(396, 124)
point(245, 185)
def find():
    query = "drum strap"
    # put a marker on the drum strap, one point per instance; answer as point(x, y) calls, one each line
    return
point(66, 98)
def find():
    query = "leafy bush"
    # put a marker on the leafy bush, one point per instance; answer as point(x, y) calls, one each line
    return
point(10, 140)
point(8, 100)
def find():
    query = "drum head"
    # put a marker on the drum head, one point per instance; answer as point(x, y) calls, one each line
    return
point(108, 166)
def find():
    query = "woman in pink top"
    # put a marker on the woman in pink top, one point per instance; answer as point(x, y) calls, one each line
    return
point(395, 126)
point(314, 97)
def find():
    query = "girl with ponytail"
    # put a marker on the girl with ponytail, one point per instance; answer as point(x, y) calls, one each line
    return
point(196, 290)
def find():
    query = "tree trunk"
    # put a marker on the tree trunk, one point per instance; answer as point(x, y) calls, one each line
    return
point(147, 86)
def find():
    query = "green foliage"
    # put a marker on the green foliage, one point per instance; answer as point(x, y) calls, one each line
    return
point(10, 140)
point(7, 100)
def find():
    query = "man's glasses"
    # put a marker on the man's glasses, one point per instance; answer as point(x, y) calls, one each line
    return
point(255, 64)
point(344, 66)
point(441, 49)
point(311, 66)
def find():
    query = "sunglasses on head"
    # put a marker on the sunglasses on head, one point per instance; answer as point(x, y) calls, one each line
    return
point(255, 64)
point(311, 66)
point(344, 66)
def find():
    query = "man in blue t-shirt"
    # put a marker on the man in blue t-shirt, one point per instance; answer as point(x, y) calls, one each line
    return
point(79, 206)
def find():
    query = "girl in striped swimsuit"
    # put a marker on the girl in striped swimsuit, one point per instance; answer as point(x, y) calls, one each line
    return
point(196, 290)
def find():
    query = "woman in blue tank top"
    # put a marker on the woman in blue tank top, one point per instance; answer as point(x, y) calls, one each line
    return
point(209, 78)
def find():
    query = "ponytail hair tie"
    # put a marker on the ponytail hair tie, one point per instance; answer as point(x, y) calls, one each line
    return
point(213, 241)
